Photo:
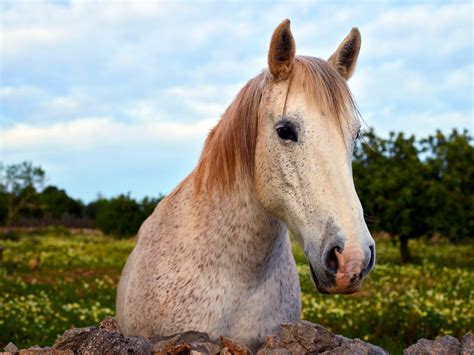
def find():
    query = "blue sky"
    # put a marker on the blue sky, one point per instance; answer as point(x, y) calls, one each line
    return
point(117, 97)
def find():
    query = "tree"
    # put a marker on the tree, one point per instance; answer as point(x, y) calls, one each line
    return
point(450, 170)
point(148, 205)
point(390, 179)
point(55, 203)
point(120, 215)
point(18, 185)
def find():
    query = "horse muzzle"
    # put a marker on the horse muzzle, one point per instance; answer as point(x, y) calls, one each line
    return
point(342, 271)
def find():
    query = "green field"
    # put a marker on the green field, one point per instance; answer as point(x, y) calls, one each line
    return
point(54, 280)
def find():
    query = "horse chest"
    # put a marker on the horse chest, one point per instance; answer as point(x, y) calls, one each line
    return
point(210, 272)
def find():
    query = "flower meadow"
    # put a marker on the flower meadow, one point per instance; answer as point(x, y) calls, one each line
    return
point(54, 280)
point(400, 304)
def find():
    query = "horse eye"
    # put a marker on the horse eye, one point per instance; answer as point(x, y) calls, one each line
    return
point(287, 132)
point(358, 134)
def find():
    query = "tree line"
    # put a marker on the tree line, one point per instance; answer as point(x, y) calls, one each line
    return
point(409, 188)
point(24, 201)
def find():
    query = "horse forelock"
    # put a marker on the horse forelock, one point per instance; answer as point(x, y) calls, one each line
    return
point(325, 87)
point(228, 155)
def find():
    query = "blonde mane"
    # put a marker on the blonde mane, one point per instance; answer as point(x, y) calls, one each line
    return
point(229, 151)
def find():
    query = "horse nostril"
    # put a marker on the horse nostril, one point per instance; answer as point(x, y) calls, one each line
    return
point(371, 263)
point(331, 264)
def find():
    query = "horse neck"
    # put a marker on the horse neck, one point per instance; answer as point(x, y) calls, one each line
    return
point(235, 229)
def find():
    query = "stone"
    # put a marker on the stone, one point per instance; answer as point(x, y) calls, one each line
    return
point(234, 348)
point(444, 345)
point(296, 338)
point(206, 348)
point(11, 348)
point(273, 352)
point(187, 342)
point(34, 350)
point(185, 337)
point(300, 338)
point(272, 342)
point(72, 339)
point(109, 323)
point(356, 347)
point(307, 338)
point(467, 346)
point(171, 347)
point(105, 341)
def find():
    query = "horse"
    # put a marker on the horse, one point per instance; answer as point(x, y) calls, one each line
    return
point(215, 255)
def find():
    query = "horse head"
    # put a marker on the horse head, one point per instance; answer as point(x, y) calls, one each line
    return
point(307, 128)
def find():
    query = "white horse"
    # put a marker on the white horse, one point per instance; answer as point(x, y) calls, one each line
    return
point(215, 255)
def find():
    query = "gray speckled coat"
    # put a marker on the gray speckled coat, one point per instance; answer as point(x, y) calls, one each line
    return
point(222, 264)
point(233, 276)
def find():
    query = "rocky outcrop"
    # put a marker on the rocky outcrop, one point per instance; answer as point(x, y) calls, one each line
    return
point(443, 345)
point(293, 338)
point(307, 338)
point(467, 345)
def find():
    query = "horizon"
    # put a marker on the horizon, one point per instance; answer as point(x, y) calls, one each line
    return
point(129, 111)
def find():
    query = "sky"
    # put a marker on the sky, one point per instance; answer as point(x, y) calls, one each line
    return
point(117, 97)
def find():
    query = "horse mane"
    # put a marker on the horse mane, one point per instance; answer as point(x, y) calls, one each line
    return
point(229, 151)
point(230, 146)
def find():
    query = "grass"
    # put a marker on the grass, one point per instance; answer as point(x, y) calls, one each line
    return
point(57, 280)
point(400, 304)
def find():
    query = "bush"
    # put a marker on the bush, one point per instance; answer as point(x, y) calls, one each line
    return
point(119, 216)
point(122, 215)
point(411, 188)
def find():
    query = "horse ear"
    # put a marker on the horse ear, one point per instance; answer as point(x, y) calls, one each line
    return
point(281, 54)
point(344, 58)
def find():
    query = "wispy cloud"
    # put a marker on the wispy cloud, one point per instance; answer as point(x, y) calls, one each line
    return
point(94, 133)
point(140, 83)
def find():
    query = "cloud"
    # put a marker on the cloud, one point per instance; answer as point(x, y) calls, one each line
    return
point(419, 30)
point(419, 124)
point(89, 134)
point(15, 41)
point(125, 85)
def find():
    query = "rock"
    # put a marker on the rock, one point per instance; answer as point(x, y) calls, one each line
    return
point(357, 347)
point(443, 345)
point(296, 338)
point(92, 340)
point(46, 350)
point(273, 346)
point(172, 345)
point(185, 337)
point(105, 341)
point(307, 338)
point(234, 348)
point(273, 352)
point(206, 348)
point(467, 346)
point(187, 342)
point(72, 339)
point(110, 323)
point(11, 348)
